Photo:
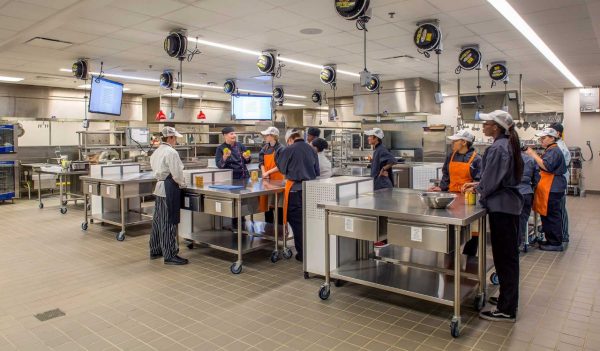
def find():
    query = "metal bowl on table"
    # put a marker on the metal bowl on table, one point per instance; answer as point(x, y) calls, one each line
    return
point(437, 200)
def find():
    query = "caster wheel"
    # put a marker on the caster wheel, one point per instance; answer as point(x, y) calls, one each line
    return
point(338, 283)
point(454, 329)
point(235, 268)
point(63, 210)
point(41, 205)
point(479, 302)
point(91, 221)
point(190, 246)
point(324, 292)
point(494, 279)
point(287, 253)
point(84, 226)
point(64, 203)
point(306, 275)
point(121, 236)
point(274, 256)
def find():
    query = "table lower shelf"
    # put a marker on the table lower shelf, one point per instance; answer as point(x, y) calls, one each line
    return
point(405, 280)
point(227, 241)
point(114, 218)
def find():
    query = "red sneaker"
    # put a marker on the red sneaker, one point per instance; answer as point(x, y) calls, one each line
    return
point(380, 244)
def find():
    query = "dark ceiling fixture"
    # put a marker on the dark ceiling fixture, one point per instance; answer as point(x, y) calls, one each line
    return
point(80, 69)
point(351, 9)
point(498, 72)
point(278, 96)
point(175, 44)
point(166, 80)
point(316, 97)
point(469, 58)
point(267, 62)
point(229, 87)
point(428, 37)
point(374, 83)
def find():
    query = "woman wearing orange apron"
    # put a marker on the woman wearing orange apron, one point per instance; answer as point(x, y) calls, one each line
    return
point(461, 167)
point(269, 170)
point(550, 189)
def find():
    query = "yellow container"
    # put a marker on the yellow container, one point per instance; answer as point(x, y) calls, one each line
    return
point(470, 198)
point(199, 181)
point(254, 176)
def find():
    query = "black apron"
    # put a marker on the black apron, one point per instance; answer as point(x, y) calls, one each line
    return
point(174, 199)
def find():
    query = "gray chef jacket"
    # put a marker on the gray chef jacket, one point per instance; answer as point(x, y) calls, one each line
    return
point(498, 186)
point(381, 157)
point(298, 162)
point(531, 175)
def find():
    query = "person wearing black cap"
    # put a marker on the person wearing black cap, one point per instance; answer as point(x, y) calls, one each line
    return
point(233, 155)
point(567, 154)
point(312, 134)
point(321, 145)
point(298, 162)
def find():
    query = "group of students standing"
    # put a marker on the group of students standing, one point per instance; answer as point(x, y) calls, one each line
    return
point(300, 160)
point(511, 180)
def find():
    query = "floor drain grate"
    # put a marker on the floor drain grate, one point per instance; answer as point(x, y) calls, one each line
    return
point(44, 316)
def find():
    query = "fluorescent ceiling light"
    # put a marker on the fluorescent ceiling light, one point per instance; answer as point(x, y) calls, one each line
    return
point(292, 105)
point(10, 79)
point(182, 95)
point(519, 23)
point(258, 53)
point(89, 86)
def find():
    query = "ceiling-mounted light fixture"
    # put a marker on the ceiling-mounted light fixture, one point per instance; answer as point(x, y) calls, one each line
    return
point(374, 83)
point(229, 87)
point(167, 80)
point(328, 75)
point(519, 23)
point(175, 44)
point(498, 71)
point(351, 10)
point(80, 69)
point(428, 37)
point(278, 94)
point(469, 58)
point(10, 79)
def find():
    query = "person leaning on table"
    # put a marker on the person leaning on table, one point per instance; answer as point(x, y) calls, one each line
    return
point(550, 189)
point(167, 168)
point(501, 172)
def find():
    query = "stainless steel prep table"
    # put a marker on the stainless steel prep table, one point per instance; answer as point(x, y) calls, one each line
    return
point(399, 214)
point(64, 177)
point(236, 204)
point(118, 187)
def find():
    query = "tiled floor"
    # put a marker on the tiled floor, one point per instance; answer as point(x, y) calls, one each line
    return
point(116, 299)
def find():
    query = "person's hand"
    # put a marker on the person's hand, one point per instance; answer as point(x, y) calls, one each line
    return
point(469, 187)
point(383, 173)
point(266, 176)
point(369, 158)
point(247, 154)
point(226, 153)
point(530, 152)
point(434, 188)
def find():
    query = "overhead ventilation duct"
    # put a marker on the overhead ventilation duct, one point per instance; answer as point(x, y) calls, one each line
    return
point(471, 105)
point(406, 97)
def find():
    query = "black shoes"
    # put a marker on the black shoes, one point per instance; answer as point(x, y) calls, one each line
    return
point(551, 247)
point(155, 256)
point(298, 257)
point(176, 261)
point(497, 316)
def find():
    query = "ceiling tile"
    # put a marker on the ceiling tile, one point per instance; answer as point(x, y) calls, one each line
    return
point(154, 8)
point(235, 8)
point(138, 36)
point(12, 23)
point(69, 36)
point(194, 16)
point(26, 11)
point(476, 14)
point(121, 18)
point(447, 6)
point(90, 27)
point(493, 26)
point(55, 4)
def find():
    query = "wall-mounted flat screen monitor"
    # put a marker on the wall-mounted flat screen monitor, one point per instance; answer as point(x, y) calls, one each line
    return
point(251, 107)
point(106, 96)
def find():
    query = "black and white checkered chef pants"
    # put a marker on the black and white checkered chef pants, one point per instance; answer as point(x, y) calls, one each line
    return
point(163, 239)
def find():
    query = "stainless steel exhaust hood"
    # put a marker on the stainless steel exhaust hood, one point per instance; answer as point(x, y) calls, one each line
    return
point(405, 97)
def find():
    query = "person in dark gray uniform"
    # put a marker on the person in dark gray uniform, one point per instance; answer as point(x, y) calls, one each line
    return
point(298, 162)
point(530, 178)
point(382, 161)
point(502, 169)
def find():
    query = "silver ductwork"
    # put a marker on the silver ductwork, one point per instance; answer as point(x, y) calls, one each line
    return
point(405, 97)
point(33, 101)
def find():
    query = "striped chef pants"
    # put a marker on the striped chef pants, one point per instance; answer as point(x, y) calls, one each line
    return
point(163, 239)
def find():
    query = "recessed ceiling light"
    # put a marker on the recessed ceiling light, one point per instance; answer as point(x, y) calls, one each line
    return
point(311, 31)
point(10, 79)
point(519, 23)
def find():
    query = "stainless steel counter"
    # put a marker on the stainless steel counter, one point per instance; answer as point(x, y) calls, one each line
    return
point(413, 230)
point(251, 189)
point(128, 178)
point(404, 204)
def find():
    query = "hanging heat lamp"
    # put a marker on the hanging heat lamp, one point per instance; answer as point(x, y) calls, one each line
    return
point(160, 115)
point(201, 115)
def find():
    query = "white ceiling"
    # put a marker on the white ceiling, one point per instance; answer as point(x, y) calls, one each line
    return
point(127, 36)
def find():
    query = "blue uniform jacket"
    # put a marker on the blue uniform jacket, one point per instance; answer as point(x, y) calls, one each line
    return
point(382, 157)
point(554, 161)
point(298, 162)
point(235, 162)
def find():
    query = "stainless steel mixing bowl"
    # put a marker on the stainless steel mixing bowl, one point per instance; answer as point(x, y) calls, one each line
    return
point(437, 200)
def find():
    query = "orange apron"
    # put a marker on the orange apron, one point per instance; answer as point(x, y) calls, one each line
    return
point(269, 163)
point(460, 173)
point(542, 191)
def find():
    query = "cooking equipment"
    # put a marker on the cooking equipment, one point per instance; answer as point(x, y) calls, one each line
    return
point(437, 200)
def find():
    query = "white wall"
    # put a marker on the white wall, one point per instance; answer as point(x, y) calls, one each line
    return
point(580, 127)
